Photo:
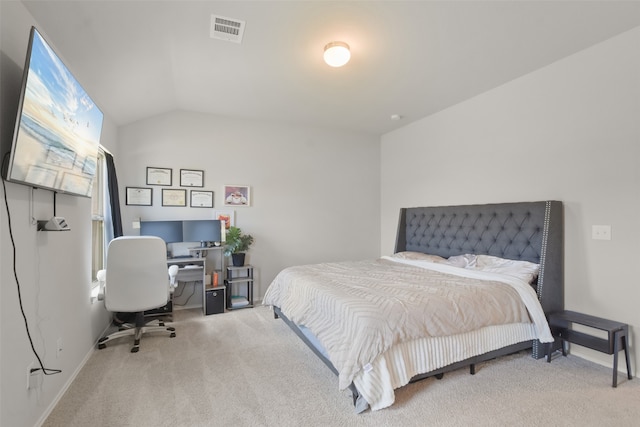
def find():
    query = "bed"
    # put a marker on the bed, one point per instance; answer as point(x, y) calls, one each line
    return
point(440, 302)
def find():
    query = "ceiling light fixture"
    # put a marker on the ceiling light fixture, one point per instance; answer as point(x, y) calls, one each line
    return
point(336, 54)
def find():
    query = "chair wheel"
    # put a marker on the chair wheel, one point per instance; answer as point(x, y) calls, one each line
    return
point(135, 349)
point(439, 376)
point(101, 346)
point(173, 335)
point(171, 328)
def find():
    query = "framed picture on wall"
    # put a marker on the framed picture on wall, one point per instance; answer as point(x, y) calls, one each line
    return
point(191, 178)
point(237, 195)
point(226, 216)
point(159, 176)
point(172, 197)
point(139, 196)
point(201, 199)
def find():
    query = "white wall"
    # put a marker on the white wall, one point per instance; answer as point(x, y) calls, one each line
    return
point(568, 132)
point(54, 269)
point(314, 192)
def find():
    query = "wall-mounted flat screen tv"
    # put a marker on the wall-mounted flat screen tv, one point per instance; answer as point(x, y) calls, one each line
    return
point(57, 133)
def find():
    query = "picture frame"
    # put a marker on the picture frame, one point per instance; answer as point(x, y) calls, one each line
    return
point(191, 178)
point(237, 195)
point(139, 196)
point(44, 176)
point(227, 216)
point(201, 199)
point(89, 165)
point(174, 197)
point(77, 184)
point(61, 157)
point(159, 176)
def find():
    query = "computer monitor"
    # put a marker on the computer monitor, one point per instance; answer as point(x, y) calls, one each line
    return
point(202, 231)
point(169, 231)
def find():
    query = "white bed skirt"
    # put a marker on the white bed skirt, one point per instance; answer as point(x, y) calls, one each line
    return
point(395, 367)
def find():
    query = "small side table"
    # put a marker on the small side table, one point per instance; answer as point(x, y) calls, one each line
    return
point(239, 284)
point(560, 324)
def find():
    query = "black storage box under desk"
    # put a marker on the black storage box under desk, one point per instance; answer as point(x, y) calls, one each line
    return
point(215, 300)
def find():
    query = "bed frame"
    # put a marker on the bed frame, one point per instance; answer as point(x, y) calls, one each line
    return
point(530, 231)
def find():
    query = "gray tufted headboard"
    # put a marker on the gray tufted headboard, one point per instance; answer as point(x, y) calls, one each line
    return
point(531, 231)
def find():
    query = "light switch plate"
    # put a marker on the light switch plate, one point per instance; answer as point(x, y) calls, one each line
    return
point(601, 232)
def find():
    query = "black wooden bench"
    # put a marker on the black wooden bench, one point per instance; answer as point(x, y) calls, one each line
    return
point(618, 333)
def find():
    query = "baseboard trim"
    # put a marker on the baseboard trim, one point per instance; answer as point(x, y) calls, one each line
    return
point(66, 385)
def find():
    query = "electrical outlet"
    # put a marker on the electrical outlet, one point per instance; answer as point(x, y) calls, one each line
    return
point(33, 376)
point(59, 348)
point(29, 367)
point(601, 232)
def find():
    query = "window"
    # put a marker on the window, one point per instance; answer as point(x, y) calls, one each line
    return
point(98, 217)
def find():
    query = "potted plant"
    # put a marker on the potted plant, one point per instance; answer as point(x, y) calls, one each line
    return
point(236, 245)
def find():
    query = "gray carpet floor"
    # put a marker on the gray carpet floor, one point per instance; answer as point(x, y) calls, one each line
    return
point(244, 368)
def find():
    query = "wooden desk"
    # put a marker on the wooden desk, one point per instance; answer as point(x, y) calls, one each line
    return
point(209, 291)
point(195, 270)
point(190, 270)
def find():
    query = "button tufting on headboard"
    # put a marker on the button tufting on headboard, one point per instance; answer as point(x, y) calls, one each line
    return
point(506, 230)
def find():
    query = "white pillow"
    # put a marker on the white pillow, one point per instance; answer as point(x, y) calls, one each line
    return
point(419, 256)
point(462, 261)
point(524, 270)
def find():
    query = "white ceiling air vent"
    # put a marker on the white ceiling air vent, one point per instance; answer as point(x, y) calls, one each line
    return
point(228, 29)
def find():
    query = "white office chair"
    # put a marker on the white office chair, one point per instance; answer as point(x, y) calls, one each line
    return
point(136, 279)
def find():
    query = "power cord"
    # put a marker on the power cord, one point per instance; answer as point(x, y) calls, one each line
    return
point(182, 288)
point(46, 371)
point(189, 297)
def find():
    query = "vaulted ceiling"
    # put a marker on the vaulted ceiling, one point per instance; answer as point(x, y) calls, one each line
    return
point(409, 58)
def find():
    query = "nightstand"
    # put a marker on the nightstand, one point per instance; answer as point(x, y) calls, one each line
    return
point(617, 336)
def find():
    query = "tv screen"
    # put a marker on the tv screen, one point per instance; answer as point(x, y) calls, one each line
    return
point(58, 126)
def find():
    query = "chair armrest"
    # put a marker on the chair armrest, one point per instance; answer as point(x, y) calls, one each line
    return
point(173, 272)
point(101, 275)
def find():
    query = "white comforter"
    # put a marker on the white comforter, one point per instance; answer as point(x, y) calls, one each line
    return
point(383, 321)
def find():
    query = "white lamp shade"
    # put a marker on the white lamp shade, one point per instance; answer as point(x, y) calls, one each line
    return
point(336, 54)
